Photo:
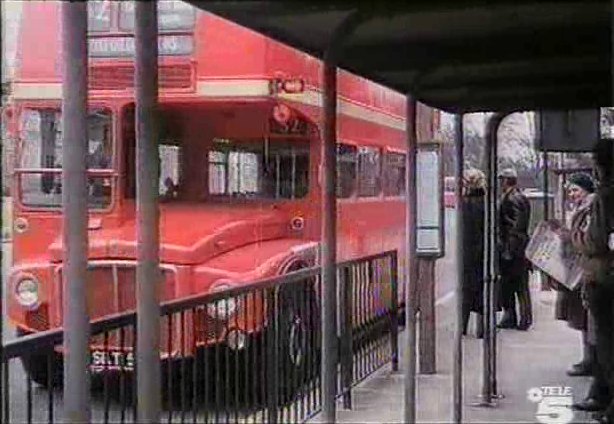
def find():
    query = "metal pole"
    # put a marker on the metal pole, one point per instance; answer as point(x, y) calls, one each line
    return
point(457, 390)
point(148, 238)
point(496, 278)
point(486, 315)
point(329, 217)
point(412, 260)
point(329, 244)
point(490, 266)
point(546, 186)
point(74, 212)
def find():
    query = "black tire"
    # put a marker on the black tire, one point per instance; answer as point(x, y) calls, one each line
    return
point(299, 341)
point(36, 365)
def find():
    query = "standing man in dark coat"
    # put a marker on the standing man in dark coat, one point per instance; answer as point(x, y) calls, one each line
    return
point(473, 237)
point(514, 216)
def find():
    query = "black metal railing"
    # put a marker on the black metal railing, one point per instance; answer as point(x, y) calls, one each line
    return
point(250, 353)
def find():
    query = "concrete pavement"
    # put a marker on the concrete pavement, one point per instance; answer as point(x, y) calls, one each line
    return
point(526, 360)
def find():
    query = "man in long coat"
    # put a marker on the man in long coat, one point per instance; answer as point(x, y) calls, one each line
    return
point(513, 237)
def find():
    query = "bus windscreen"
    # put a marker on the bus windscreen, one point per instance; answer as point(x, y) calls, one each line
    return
point(40, 158)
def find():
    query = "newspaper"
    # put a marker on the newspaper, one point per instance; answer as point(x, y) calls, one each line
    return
point(546, 252)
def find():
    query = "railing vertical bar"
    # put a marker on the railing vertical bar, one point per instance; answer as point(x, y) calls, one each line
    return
point(29, 393)
point(365, 319)
point(135, 399)
point(312, 376)
point(283, 377)
point(355, 289)
point(169, 369)
point(182, 365)
point(206, 362)
point(227, 394)
point(236, 357)
point(303, 373)
point(263, 356)
point(50, 384)
point(372, 275)
point(346, 334)
point(394, 337)
point(105, 380)
point(194, 366)
point(122, 379)
point(217, 367)
point(320, 394)
point(7, 391)
point(272, 357)
point(249, 352)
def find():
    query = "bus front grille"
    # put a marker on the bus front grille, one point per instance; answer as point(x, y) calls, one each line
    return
point(111, 288)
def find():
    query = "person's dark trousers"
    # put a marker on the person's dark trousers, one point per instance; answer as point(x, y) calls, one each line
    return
point(601, 306)
point(467, 314)
point(509, 287)
point(524, 297)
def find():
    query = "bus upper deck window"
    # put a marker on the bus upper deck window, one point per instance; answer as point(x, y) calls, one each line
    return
point(394, 174)
point(346, 170)
point(369, 170)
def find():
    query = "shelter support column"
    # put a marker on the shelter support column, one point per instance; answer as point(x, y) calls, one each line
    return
point(147, 211)
point(495, 287)
point(457, 380)
point(491, 273)
point(329, 216)
point(545, 284)
point(74, 211)
point(412, 272)
point(329, 243)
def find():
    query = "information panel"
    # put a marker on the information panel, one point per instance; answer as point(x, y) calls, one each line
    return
point(429, 180)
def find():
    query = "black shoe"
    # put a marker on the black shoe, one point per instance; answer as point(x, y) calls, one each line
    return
point(573, 372)
point(601, 418)
point(588, 405)
point(523, 327)
point(582, 365)
point(506, 324)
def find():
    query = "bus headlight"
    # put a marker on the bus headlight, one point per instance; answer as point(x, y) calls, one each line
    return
point(224, 308)
point(26, 292)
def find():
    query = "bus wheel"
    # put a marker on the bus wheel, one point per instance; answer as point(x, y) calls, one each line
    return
point(299, 353)
point(36, 365)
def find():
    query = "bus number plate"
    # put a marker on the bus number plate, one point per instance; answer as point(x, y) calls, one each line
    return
point(112, 360)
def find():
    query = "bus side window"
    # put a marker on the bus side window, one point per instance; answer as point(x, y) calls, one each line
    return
point(394, 174)
point(346, 170)
point(369, 172)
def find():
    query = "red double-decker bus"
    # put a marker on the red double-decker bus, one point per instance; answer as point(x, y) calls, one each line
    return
point(240, 179)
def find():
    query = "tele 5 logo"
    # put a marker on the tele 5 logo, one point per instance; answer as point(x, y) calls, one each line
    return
point(553, 404)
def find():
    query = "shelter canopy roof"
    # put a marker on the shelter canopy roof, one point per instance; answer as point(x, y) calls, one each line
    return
point(456, 55)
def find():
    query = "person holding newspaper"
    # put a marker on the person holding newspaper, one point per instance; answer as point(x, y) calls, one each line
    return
point(569, 305)
point(596, 243)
